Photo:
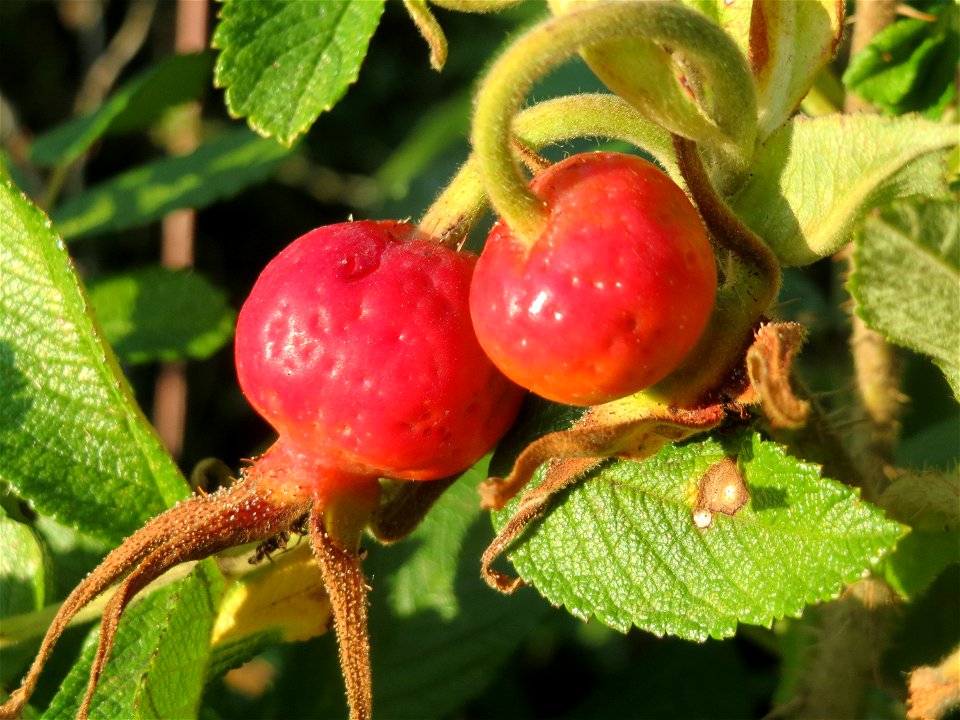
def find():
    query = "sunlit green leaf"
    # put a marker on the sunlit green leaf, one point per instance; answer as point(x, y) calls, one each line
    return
point(159, 314)
point(284, 62)
point(622, 545)
point(910, 65)
point(72, 439)
point(216, 170)
point(907, 279)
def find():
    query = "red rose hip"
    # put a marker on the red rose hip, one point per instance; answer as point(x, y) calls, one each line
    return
point(356, 345)
point(613, 293)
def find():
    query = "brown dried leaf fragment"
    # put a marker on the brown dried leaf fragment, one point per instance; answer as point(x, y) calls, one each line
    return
point(560, 474)
point(934, 690)
point(768, 365)
point(624, 428)
point(721, 490)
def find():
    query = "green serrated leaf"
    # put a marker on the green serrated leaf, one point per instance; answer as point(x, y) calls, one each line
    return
point(160, 314)
point(216, 170)
point(815, 178)
point(138, 103)
point(910, 65)
point(158, 663)
point(72, 438)
point(283, 62)
point(622, 546)
point(907, 279)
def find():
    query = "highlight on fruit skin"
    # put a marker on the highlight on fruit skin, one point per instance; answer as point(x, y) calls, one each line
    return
point(610, 297)
point(356, 345)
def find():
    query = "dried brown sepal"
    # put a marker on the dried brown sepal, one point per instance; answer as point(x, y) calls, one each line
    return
point(934, 690)
point(560, 474)
point(624, 429)
point(768, 365)
point(191, 530)
point(347, 590)
point(533, 161)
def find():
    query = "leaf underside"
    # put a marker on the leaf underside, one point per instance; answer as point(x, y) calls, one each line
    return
point(907, 280)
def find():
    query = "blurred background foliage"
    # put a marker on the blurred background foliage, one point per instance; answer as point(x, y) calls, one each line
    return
point(385, 151)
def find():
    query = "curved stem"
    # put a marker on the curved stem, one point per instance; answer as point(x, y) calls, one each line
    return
point(455, 211)
point(476, 6)
point(546, 46)
point(751, 287)
point(724, 226)
point(430, 29)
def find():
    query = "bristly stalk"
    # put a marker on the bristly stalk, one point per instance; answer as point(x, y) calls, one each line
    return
point(192, 530)
point(336, 548)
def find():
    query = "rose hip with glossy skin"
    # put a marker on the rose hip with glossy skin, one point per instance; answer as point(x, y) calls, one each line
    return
point(356, 344)
point(613, 293)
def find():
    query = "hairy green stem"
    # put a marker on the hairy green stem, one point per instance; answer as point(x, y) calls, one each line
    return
point(463, 201)
point(476, 6)
point(554, 41)
point(430, 29)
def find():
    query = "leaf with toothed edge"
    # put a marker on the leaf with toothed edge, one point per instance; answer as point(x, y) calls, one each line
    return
point(73, 440)
point(622, 546)
point(284, 63)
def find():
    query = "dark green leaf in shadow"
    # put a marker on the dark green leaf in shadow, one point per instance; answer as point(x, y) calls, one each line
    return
point(137, 104)
point(158, 664)
point(440, 128)
point(160, 314)
point(73, 440)
point(216, 170)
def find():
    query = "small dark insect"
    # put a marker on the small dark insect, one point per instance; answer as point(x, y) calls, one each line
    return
point(269, 546)
point(279, 541)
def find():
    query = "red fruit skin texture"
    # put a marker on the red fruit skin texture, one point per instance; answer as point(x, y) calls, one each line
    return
point(356, 345)
point(613, 293)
